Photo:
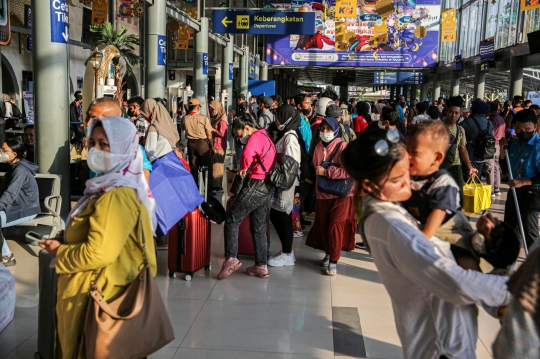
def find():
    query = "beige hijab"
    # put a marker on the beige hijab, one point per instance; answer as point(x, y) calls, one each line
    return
point(218, 113)
point(157, 115)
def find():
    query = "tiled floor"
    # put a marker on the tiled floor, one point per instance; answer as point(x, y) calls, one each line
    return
point(288, 316)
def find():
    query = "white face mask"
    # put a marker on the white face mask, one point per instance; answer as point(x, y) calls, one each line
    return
point(327, 136)
point(102, 161)
point(381, 126)
point(244, 139)
point(4, 158)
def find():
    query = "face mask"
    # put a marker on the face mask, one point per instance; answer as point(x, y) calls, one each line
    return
point(79, 97)
point(525, 136)
point(380, 124)
point(102, 161)
point(327, 136)
point(130, 113)
point(244, 139)
point(4, 158)
point(306, 111)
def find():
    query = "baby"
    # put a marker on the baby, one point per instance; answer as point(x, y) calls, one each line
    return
point(436, 202)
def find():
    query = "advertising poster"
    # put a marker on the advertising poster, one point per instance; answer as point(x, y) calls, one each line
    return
point(100, 10)
point(386, 33)
point(448, 25)
point(529, 4)
point(28, 98)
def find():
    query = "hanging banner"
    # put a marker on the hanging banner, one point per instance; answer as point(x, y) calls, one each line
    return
point(205, 63)
point(100, 10)
point(28, 98)
point(125, 9)
point(59, 21)
point(181, 45)
point(529, 4)
point(448, 25)
point(231, 67)
point(381, 34)
point(346, 8)
point(162, 47)
point(28, 16)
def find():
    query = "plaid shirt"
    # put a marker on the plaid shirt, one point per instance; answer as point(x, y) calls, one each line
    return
point(142, 125)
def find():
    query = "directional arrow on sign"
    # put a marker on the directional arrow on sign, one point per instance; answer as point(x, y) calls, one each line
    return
point(65, 34)
point(225, 22)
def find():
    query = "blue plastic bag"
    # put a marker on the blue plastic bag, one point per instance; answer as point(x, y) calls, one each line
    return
point(175, 192)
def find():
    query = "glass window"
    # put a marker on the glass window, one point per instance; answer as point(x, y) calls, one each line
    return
point(512, 32)
point(531, 22)
point(471, 43)
point(503, 26)
point(491, 19)
point(464, 27)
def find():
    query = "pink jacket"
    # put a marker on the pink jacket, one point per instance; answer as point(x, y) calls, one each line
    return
point(321, 154)
point(258, 144)
point(220, 136)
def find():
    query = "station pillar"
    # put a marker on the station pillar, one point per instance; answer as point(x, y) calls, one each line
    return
point(392, 92)
point(515, 87)
point(155, 24)
point(479, 82)
point(227, 69)
point(244, 72)
point(414, 89)
point(51, 99)
point(263, 72)
point(200, 68)
point(436, 88)
point(454, 84)
point(423, 91)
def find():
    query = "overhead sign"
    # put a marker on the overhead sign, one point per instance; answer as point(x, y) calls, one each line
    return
point(263, 22)
point(231, 67)
point(59, 21)
point(398, 78)
point(162, 47)
point(205, 63)
point(448, 25)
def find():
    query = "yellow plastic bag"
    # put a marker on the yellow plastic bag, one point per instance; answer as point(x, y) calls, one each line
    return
point(476, 196)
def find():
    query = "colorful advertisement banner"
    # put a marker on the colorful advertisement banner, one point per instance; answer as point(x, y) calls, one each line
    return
point(99, 11)
point(529, 4)
point(448, 25)
point(28, 98)
point(383, 34)
point(125, 9)
point(487, 50)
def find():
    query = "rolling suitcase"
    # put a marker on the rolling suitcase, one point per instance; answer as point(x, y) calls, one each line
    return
point(47, 303)
point(245, 241)
point(190, 240)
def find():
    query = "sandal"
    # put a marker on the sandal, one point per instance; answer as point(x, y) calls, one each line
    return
point(258, 271)
point(229, 266)
point(9, 260)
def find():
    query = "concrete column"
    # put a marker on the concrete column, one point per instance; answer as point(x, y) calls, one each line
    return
point(344, 92)
point(257, 68)
point(454, 84)
point(479, 82)
point(200, 80)
point(263, 71)
point(156, 21)
point(392, 92)
point(423, 92)
point(515, 86)
point(436, 88)
point(244, 72)
point(51, 100)
point(227, 59)
point(414, 89)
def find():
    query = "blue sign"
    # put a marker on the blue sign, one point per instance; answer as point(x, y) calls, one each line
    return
point(29, 43)
point(231, 67)
point(205, 63)
point(262, 88)
point(263, 22)
point(162, 50)
point(398, 78)
point(251, 73)
point(28, 16)
point(59, 21)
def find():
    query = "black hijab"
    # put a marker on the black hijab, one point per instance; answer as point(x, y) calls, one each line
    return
point(288, 116)
point(362, 108)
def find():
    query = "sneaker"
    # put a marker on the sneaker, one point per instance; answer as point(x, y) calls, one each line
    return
point(360, 245)
point(9, 260)
point(331, 269)
point(282, 260)
point(310, 216)
point(298, 234)
point(229, 266)
point(325, 261)
point(258, 271)
point(498, 194)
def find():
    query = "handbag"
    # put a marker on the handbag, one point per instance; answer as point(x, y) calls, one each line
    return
point(337, 187)
point(238, 181)
point(284, 173)
point(134, 325)
point(476, 196)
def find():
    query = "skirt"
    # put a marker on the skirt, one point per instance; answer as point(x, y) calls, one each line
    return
point(334, 227)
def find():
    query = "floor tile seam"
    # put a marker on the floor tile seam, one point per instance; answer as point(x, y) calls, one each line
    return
point(484, 345)
point(20, 345)
point(252, 351)
point(259, 301)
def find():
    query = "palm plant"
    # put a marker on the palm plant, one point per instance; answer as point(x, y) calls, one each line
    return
point(125, 43)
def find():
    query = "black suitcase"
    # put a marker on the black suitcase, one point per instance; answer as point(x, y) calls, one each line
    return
point(47, 303)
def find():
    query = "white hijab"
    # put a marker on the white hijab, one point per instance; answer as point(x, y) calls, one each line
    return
point(128, 172)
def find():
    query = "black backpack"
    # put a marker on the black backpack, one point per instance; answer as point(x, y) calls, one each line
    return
point(15, 111)
point(307, 175)
point(485, 145)
point(80, 173)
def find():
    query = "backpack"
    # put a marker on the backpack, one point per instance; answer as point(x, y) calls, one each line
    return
point(347, 134)
point(485, 145)
point(15, 111)
point(267, 120)
point(80, 173)
point(346, 116)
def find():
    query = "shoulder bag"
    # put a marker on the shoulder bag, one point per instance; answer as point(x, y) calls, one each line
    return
point(238, 181)
point(337, 187)
point(285, 171)
point(134, 325)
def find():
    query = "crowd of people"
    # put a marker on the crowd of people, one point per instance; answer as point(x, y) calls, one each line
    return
point(391, 171)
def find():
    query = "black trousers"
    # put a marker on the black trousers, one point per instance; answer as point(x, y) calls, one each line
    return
point(457, 174)
point(282, 222)
point(199, 155)
point(529, 205)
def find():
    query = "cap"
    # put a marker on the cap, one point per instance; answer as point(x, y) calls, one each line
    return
point(333, 111)
point(194, 102)
point(242, 96)
point(267, 101)
point(480, 107)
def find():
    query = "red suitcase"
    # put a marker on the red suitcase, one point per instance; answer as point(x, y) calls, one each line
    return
point(190, 241)
point(245, 241)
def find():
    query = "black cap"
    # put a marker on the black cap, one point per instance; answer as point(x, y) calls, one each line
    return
point(242, 96)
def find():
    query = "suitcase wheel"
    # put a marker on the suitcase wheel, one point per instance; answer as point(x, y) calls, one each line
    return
point(189, 276)
point(172, 274)
point(208, 268)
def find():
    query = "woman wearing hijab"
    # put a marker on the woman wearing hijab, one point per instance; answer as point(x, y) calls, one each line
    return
point(162, 134)
point(218, 120)
point(103, 230)
point(377, 110)
point(334, 227)
point(281, 206)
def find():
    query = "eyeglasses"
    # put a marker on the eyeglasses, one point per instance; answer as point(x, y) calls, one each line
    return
point(382, 147)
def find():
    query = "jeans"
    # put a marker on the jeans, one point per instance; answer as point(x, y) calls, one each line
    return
point(5, 249)
point(282, 222)
point(494, 171)
point(457, 174)
point(528, 201)
point(252, 200)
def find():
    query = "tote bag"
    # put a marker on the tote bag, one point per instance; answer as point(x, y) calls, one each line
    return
point(476, 196)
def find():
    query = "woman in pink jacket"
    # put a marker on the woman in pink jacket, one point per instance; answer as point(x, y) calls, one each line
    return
point(253, 199)
point(335, 217)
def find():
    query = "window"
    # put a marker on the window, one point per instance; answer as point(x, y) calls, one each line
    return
point(87, 36)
